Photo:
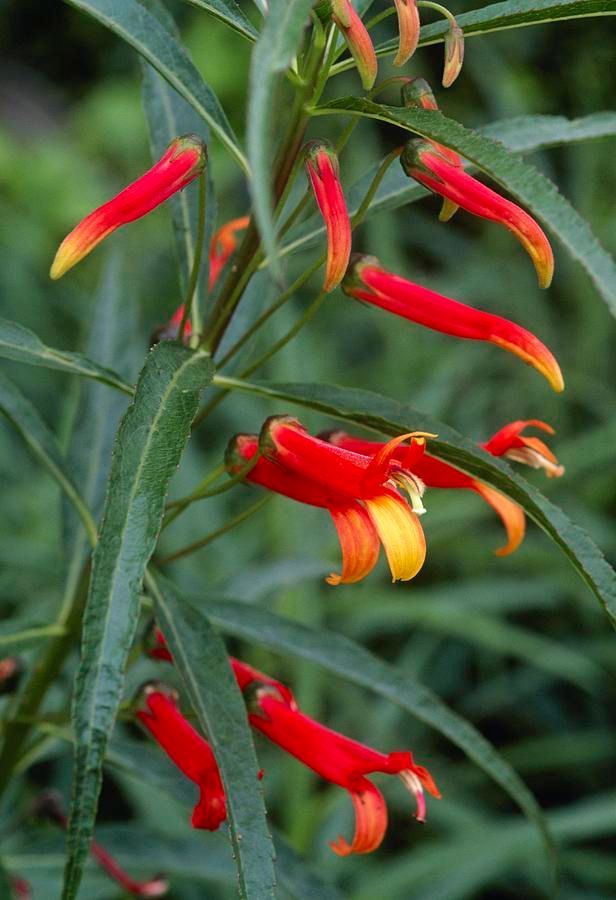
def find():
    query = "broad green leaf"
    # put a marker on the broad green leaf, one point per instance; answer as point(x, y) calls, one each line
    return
point(148, 447)
point(273, 53)
point(385, 415)
point(144, 32)
point(511, 14)
point(22, 345)
point(522, 134)
point(518, 177)
point(343, 657)
point(26, 419)
point(168, 115)
point(200, 656)
point(230, 13)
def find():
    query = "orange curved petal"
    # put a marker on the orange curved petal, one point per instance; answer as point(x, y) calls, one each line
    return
point(512, 516)
point(359, 543)
point(401, 534)
point(370, 821)
point(408, 29)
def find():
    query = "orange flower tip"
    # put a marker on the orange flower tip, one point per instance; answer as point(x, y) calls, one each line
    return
point(542, 360)
point(454, 55)
point(448, 210)
point(408, 28)
point(417, 94)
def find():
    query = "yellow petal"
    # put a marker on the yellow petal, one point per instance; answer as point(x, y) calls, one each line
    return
point(401, 535)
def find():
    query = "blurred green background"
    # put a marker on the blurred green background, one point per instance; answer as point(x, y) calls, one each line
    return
point(516, 645)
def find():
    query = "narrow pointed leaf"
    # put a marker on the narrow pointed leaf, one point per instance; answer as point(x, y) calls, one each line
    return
point(200, 656)
point(144, 32)
point(385, 415)
point(148, 447)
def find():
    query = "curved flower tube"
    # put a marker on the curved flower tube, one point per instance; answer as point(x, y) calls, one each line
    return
point(408, 29)
point(422, 161)
point(358, 40)
point(324, 175)
point(361, 495)
point(183, 161)
point(366, 280)
point(190, 752)
point(507, 442)
point(223, 244)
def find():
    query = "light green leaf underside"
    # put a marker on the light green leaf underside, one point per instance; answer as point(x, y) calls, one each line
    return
point(147, 450)
point(386, 416)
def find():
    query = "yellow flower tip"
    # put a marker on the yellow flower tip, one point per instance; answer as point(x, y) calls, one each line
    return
point(401, 534)
point(511, 515)
point(542, 360)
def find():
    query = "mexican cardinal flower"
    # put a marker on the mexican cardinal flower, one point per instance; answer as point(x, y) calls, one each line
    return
point(190, 752)
point(359, 494)
point(422, 161)
point(324, 175)
point(408, 29)
point(366, 280)
point(508, 442)
point(338, 759)
point(184, 159)
point(224, 243)
point(358, 40)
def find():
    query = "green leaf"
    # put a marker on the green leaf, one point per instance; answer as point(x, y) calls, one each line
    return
point(22, 345)
point(273, 53)
point(17, 641)
point(385, 415)
point(144, 32)
point(200, 657)
point(148, 447)
point(511, 14)
point(341, 656)
point(27, 421)
point(230, 13)
point(518, 177)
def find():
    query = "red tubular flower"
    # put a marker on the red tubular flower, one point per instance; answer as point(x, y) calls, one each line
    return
point(223, 245)
point(454, 55)
point(359, 494)
point(408, 29)
point(358, 40)
point(422, 161)
point(169, 332)
point(183, 161)
point(366, 280)
point(336, 758)
point(190, 752)
point(324, 174)
point(507, 442)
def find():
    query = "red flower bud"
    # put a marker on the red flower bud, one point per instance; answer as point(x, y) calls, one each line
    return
point(183, 161)
point(454, 55)
point(408, 29)
point(366, 280)
point(358, 40)
point(324, 174)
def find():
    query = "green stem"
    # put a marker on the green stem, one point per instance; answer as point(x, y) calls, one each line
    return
point(213, 535)
point(360, 215)
point(200, 494)
point(189, 312)
point(380, 17)
point(440, 9)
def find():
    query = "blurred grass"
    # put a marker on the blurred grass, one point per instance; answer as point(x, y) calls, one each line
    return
point(72, 133)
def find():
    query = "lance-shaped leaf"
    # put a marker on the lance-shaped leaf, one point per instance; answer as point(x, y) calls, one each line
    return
point(387, 416)
point(147, 450)
point(144, 32)
point(200, 656)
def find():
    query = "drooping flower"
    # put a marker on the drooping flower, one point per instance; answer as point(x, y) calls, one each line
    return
point(169, 332)
point(224, 243)
point(358, 40)
point(422, 161)
point(408, 29)
point(49, 806)
point(188, 750)
point(435, 473)
point(361, 496)
point(366, 280)
point(340, 760)
point(184, 159)
point(454, 54)
point(323, 173)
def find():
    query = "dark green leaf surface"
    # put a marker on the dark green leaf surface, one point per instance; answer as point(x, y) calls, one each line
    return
point(230, 13)
point(389, 417)
point(22, 345)
point(27, 421)
point(148, 447)
point(273, 53)
point(518, 177)
point(200, 656)
point(343, 657)
point(144, 32)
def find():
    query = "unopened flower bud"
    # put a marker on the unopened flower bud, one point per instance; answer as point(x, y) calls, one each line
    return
point(454, 55)
point(408, 28)
point(358, 40)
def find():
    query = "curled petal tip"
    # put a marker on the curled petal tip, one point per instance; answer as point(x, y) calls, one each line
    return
point(535, 354)
point(408, 27)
